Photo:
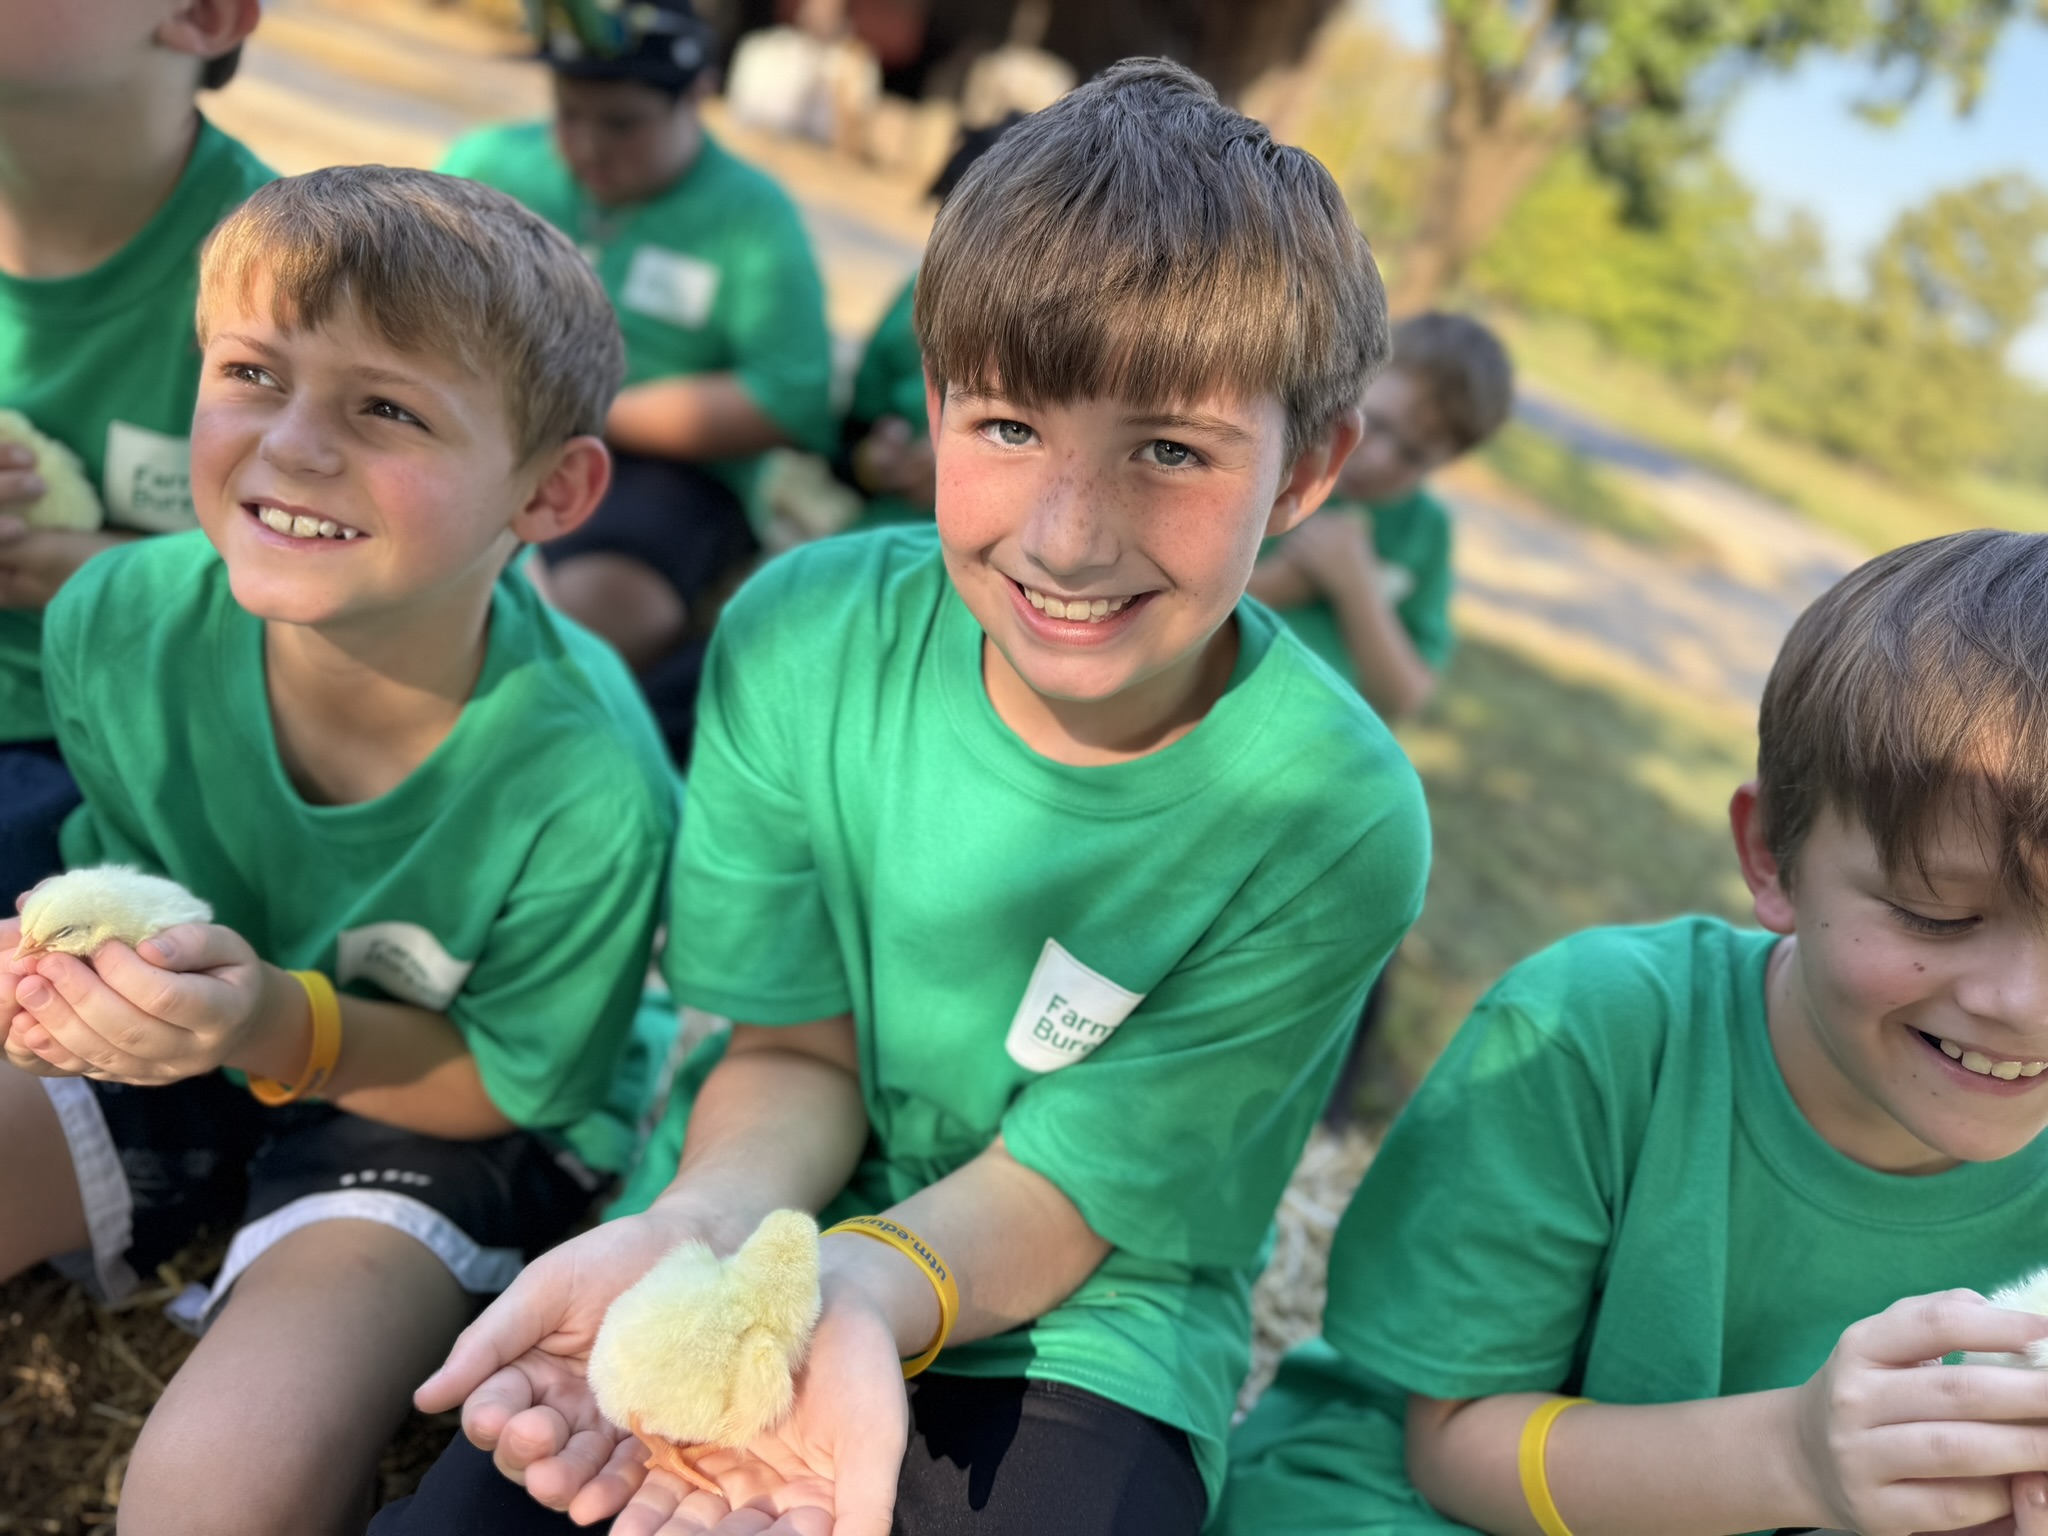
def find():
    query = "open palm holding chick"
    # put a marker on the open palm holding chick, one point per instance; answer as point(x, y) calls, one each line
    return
point(111, 974)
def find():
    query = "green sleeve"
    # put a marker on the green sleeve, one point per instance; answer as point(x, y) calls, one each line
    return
point(1426, 611)
point(782, 350)
point(1177, 1136)
point(757, 940)
point(468, 154)
point(1471, 1256)
point(549, 1006)
point(891, 377)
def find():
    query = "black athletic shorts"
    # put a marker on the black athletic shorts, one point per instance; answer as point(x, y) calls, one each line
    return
point(156, 1164)
point(36, 794)
point(677, 518)
point(986, 1458)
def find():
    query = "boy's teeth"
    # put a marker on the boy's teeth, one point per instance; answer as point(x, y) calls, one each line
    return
point(1984, 1066)
point(303, 527)
point(1093, 610)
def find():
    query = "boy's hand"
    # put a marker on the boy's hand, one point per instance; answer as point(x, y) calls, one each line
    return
point(194, 998)
point(1893, 1442)
point(518, 1370)
point(35, 562)
point(895, 458)
point(1335, 554)
point(829, 1469)
point(19, 482)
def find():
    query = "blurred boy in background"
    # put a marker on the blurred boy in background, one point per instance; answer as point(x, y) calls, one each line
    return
point(727, 354)
point(112, 178)
point(1368, 583)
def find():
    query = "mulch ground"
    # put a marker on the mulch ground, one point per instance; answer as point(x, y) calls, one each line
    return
point(76, 1380)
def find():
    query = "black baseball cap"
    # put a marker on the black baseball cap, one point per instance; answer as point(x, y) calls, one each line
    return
point(662, 43)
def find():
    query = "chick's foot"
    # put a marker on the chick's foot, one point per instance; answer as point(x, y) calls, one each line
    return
point(670, 1457)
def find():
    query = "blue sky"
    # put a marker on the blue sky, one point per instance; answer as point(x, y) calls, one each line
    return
point(1796, 138)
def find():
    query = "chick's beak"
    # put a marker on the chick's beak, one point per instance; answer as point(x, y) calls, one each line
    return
point(28, 947)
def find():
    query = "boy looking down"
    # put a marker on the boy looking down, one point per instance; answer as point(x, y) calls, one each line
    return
point(1043, 874)
point(109, 181)
point(727, 354)
point(1368, 584)
point(391, 773)
point(1690, 1171)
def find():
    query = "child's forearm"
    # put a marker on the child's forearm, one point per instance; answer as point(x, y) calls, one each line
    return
point(702, 416)
point(1669, 1469)
point(1015, 1244)
point(779, 1124)
point(400, 1065)
point(1392, 675)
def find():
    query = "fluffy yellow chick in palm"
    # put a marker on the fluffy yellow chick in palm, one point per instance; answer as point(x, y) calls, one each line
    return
point(2028, 1295)
point(703, 1350)
point(77, 913)
point(68, 499)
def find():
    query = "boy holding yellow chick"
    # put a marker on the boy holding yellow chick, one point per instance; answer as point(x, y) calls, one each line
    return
point(1043, 874)
point(433, 821)
point(1669, 1237)
point(112, 180)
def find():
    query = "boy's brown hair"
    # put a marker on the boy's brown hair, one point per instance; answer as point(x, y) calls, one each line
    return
point(1139, 240)
point(1917, 687)
point(1464, 371)
point(431, 264)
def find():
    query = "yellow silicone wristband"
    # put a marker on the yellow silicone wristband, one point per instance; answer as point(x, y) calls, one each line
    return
point(920, 1253)
point(1529, 1459)
point(326, 1006)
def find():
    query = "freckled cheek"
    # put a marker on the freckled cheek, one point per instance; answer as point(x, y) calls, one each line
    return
point(1875, 979)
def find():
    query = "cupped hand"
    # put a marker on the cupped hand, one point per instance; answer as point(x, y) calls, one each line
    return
point(829, 1469)
point(1892, 1442)
point(518, 1370)
point(191, 999)
point(35, 562)
point(19, 482)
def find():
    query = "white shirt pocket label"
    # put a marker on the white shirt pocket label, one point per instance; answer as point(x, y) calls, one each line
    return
point(148, 479)
point(670, 286)
point(405, 960)
point(1068, 1010)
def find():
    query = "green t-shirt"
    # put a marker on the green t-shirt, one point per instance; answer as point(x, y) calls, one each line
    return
point(713, 275)
point(513, 881)
point(106, 362)
point(1412, 538)
point(891, 383)
point(1141, 976)
point(1604, 1188)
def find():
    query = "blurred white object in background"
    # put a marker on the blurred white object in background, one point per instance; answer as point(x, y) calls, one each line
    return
point(813, 80)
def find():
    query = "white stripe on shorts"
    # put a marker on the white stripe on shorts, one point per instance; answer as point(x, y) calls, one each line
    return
point(103, 1268)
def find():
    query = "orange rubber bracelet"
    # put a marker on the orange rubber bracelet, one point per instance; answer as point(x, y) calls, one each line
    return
point(920, 1253)
point(326, 1045)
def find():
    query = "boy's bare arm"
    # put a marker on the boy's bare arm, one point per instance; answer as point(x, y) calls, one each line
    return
point(1876, 1441)
point(702, 416)
point(1279, 583)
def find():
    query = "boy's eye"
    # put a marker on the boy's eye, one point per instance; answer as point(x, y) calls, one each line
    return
point(1169, 454)
point(393, 412)
point(249, 373)
point(1011, 434)
point(1933, 927)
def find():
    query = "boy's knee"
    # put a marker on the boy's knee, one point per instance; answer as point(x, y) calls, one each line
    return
point(172, 1489)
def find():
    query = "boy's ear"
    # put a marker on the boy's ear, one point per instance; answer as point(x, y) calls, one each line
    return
point(567, 492)
point(1760, 871)
point(206, 29)
point(1309, 482)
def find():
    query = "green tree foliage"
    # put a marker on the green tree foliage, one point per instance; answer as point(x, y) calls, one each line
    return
point(1909, 376)
point(1638, 84)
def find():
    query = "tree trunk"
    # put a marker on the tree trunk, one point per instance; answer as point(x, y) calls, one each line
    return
point(1493, 138)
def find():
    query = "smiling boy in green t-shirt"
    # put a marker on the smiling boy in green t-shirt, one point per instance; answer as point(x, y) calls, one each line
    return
point(113, 179)
point(1726, 1183)
point(1043, 874)
point(396, 777)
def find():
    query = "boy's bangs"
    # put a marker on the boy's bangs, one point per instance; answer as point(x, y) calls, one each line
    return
point(1912, 699)
point(1042, 337)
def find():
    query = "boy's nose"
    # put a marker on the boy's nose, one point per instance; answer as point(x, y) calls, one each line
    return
point(1072, 529)
point(299, 443)
point(2012, 986)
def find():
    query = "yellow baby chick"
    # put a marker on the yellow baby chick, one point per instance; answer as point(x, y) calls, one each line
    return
point(702, 1350)
point(2028, 1295)
point(68, 499)
point(75, 913)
